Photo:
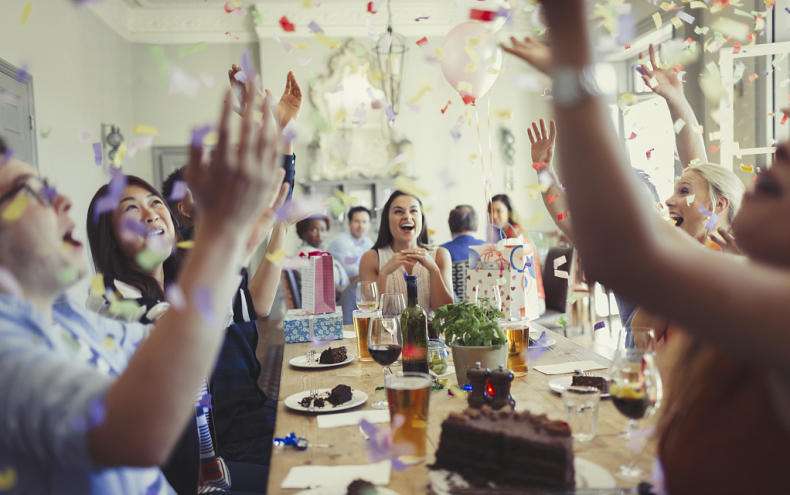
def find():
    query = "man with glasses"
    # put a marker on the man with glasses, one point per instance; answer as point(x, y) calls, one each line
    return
point(92, 405)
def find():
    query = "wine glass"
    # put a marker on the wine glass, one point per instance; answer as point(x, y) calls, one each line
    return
point(367, 296)
point(392, 304)
point(384, 344)
point(635, 387)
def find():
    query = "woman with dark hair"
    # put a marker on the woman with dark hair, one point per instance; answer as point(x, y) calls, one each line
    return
point(134, 248)
point(402, 248)
point(504, 226)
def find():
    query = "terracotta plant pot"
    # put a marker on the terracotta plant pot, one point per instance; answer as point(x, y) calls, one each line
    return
point(465, 357)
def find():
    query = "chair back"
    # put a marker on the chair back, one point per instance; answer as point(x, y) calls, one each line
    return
point(556, 288)
point(291, 281)
point(460, 269)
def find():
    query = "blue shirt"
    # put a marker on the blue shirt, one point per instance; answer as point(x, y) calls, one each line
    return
point(348, 250)
point(54, 378)
point(459, 246)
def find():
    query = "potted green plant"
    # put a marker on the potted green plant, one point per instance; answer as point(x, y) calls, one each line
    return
point(473, 334)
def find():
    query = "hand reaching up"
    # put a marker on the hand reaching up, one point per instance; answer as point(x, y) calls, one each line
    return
point(542, 141)
point(533, 52)
point(666, 82)
point(290, 101)
point(236, 184)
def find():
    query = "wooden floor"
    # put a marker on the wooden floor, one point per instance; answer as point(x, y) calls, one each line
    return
point(531, 392)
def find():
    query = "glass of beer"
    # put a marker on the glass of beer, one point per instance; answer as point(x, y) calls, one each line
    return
point(408, 393)
point(517, 333)
point(361, 325)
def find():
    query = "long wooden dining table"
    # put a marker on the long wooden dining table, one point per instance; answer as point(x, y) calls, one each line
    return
point(609, 448)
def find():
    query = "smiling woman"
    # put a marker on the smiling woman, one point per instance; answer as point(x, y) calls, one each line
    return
point(402, 248)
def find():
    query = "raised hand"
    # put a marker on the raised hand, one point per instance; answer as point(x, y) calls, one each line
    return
point(666, 83)
point(290, 101)
point(535, 53)
point(236, 184)
point(542, 141)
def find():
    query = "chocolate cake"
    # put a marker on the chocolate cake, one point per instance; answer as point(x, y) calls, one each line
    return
point(333, 355)
point(598, 382)
point(507, 448)
point(339, 395)
point(361, 487)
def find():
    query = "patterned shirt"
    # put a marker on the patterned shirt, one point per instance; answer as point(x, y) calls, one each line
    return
point(54, 378)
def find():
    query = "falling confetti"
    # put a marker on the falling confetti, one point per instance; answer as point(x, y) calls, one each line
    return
point(9, 283)
point(175, 296)
point(286, 25)
point(599, 325)
point(314, 27)
point(373, 7)
point(190, 244)
point(45, 133)
point(331, 43)
point(97, 154)
point(203, 302)
point(145, 129)
point(690, 199)
point(97, 285)
point(7, 479)
point(26, 13)
point(422, 41)
point(16, 208)
point(67, 275)
point(275, 257)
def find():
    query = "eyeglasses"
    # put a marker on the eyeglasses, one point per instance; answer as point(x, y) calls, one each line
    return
point(35, 186)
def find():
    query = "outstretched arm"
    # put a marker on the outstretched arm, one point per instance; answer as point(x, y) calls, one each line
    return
point(149, 404)
point(665, 83)
point(624, 244)
point(542, 152)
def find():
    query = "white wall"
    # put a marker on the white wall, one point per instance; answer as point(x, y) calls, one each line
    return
point(82, 76)
point(435, 152)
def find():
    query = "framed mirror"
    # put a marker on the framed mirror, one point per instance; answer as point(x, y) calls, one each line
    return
point(353, 137)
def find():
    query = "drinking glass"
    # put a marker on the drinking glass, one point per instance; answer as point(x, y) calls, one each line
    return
point(362, 321)
point(392, 304)
point(367, 296)
point(384, 344)
point(635, 386)
point(408, 395)
point(494, 299)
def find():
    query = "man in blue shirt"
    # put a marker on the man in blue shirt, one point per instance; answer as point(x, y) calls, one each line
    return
point(92, 405)
point(349, 246)
point(463, 223)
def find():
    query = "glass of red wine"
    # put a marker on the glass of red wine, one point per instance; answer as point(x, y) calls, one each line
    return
point(384, 344)
point(636, 389)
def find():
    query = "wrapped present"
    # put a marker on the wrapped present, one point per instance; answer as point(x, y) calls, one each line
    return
point(301, 326)
point(510, 268)
point(318, 283)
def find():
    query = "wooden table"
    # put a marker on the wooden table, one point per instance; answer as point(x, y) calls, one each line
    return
point(531, 392)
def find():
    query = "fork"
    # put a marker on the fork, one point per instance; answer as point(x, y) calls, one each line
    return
point(310, 356)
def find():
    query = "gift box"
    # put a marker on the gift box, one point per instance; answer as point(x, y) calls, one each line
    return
point(301, 326)
point(510, 268)
point(318, 283)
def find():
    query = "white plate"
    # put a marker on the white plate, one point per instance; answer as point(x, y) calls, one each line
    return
point(340, 490)
point(591, 475)
point(557, 385)
point(301, 361)
point(357, 399)
point(587, 475)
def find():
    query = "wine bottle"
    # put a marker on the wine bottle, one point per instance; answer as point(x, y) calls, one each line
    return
point(414, 324)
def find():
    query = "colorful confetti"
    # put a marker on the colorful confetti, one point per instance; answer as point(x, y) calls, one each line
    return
point(599, 325)
point(175, 296)
point(97, 285)
point(67, 275)
point(16, 208)
point(286, 25)
point(26, 13)
point(202, 298)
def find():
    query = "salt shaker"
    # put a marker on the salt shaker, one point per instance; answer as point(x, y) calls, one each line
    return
point(478, 378)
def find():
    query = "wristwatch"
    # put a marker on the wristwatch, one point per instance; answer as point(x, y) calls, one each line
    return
point(572, 85)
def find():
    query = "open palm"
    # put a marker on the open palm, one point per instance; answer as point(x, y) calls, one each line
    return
point(663, 81)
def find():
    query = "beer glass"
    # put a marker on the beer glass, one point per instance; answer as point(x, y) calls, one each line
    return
point(408, 394)
point(361, 325)
point(517, 333)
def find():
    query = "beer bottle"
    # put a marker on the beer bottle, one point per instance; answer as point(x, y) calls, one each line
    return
point(414, 325)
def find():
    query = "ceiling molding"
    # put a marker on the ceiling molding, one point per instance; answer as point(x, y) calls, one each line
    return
point(181, 21)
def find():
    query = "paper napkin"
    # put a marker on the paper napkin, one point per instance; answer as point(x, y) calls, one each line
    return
point(353, 418)
point(559, 369)
point(313, 476)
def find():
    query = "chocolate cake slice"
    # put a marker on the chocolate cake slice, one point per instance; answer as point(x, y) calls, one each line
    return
point(507, 448)
point(333, 355)
point(598, 382)
point(339, 395)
